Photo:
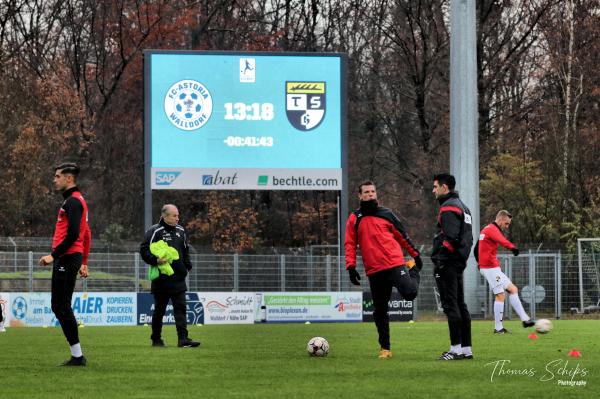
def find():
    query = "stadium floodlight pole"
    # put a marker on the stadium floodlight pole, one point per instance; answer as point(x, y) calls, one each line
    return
point(464, 147)
point(343, 199)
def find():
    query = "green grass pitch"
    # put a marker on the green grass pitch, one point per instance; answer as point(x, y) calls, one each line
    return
point(270, 361)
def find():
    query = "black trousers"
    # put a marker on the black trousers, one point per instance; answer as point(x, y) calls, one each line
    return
point(161, 300)
point(64, 275)
point(406, 282)
point(449, 281)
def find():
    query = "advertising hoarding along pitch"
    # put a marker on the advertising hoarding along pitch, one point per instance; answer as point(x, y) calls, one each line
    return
point(90, 308)
point(399, 308)
point(204, 308)
point(313, 306)
point(245, 120)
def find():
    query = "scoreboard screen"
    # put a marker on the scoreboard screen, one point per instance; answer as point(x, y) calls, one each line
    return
point(244, 120)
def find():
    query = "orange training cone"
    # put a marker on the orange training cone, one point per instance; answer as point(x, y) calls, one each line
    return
point(532, 336)
point(574, 353)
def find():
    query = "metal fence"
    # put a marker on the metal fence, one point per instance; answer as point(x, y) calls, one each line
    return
point(550, 283)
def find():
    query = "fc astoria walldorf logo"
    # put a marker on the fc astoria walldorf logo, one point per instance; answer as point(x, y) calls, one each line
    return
point(305, 104)
point(188, 104)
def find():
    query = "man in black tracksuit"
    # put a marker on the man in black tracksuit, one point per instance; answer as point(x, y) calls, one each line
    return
point(451, 249)
point(165, 288)
point(70, 252)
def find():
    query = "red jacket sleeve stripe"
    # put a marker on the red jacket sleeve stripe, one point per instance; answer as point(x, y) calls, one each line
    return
point(448, 246)
point(351, 241)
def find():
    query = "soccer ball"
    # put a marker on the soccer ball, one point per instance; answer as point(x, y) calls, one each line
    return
point(543, 326)
point(318, 346)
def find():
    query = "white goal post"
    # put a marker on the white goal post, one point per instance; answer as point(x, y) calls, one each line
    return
point(580, 261)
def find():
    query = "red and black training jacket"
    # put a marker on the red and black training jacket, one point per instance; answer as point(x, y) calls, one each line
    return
point(381, 238)
point(72, 233)
point(454, 237)
point(486, 250)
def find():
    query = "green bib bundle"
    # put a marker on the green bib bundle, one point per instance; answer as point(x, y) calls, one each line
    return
point(162, 250)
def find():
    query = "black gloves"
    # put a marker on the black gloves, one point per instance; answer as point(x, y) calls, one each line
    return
point(418, 263)
point(515, 251)
point(354, 276)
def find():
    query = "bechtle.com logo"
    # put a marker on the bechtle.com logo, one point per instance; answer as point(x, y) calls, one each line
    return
point(263, 180)
point(219, 180)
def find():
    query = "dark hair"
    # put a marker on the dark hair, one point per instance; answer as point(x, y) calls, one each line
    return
point(70, 168)
point(365, 183)
point(447, 179)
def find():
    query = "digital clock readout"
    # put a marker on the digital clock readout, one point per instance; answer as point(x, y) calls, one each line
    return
point(248, 141)
point(249, 112)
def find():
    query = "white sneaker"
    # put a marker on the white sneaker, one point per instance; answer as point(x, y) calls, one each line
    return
point(2, 329)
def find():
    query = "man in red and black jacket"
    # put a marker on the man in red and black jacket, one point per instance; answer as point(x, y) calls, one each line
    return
point(70, 252)
point(451, 249)
point(381, 238)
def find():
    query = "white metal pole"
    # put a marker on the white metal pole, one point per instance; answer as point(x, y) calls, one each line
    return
point(340, 243)
point(580, 261)
point(464, 146)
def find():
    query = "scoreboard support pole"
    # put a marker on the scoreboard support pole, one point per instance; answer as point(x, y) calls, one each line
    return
point(147, 147)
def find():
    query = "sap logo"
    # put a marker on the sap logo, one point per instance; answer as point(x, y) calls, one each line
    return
point(166, 178)
point(88, 305)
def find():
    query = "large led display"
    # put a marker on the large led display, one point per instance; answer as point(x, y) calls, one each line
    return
point(244, 120)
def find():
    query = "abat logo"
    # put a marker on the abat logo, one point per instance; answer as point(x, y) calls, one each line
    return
point(219, 180)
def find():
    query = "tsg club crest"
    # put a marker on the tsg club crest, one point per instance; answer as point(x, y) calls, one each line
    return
point(188, 104)
point(305, 104)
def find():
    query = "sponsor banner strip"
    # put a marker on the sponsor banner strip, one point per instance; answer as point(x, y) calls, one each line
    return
point(313, 306)
point(90, 308)
point(245, 179)
point(204, 308)
point(399, 308)
point(123, 308)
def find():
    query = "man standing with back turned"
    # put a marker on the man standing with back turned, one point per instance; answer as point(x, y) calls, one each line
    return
point(381, 238)
point(70, 252)
point(451, 249)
